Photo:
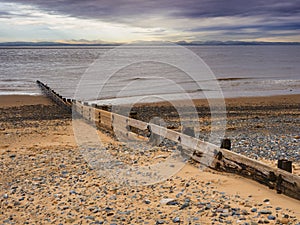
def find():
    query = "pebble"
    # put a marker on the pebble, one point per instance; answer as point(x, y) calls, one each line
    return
point(176, 220)
point(147, 201)
point(264, 211)
point(254, 210)
point(72, 192)
point(271, 217)
point(185, 205)
point(12, 156)
point(168, 201)
point(90, 218)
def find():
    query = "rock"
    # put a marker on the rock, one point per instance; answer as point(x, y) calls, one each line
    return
point(185, 205)
point(110, 214)
point(179, 194)
point(168, 201)
point(208, 206)
point(96, 210)
point(160, 222)
point(254, 210)
point(73, 192)
point(90, 218)
point(147, 201)
point(271, 217)
point(265, 211)
point(176, 220)
point(5, 196)
point(220, 210)
point(245, 212)
point(161, 157)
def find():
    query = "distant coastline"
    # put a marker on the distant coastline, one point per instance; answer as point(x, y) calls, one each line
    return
point(184, 43)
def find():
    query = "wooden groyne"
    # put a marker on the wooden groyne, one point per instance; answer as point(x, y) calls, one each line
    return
point(222, 159)
point(57, 98)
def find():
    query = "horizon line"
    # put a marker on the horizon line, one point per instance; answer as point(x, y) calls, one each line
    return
point(89, 43)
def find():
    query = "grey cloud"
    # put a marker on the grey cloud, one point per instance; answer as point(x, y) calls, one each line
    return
point(119, 10)
point(274, 14)
point(262, 27)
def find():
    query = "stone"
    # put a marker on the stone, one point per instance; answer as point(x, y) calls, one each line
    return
point(90, 218)
point(271, 217)
point(147, 201)
point(254, 210)
point(179, 194)
point(72, 192)
point(168, 201)
point(265, 211)
point(176, 220)
point(245, 212)
point(185, 205)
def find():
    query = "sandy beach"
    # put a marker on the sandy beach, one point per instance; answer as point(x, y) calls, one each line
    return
point(45, 179)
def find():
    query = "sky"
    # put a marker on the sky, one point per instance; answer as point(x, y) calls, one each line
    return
point(102, 21)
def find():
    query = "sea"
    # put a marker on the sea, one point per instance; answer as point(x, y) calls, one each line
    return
point(140, 72)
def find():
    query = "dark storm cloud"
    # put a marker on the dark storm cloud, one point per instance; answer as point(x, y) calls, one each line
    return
point(239, 18)
point(262, 27)
point(119, 10)
point(214, 8)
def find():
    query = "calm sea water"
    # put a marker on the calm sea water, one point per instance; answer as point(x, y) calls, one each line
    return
point(240, 71)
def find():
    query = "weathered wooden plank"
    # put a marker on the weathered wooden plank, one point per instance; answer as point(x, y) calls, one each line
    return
point(282, 181)
point(137, 124)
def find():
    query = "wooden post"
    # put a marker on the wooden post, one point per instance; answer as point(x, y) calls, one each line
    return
point(154, 139)
point(226, 143)
point(285, 165)
point(133, 115)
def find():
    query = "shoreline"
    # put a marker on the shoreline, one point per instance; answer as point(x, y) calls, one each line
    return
point(18, 100)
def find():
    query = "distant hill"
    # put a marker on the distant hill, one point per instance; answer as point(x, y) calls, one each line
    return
point(200, 43)
point(235, 43)
point(49, 44)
